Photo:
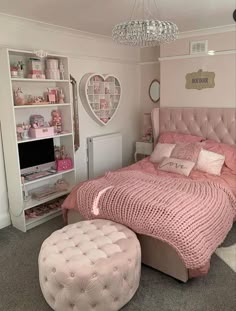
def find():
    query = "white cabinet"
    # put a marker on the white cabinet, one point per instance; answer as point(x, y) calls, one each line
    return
point(36, 101)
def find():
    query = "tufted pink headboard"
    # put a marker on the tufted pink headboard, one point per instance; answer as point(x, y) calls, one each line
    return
point(212, 123)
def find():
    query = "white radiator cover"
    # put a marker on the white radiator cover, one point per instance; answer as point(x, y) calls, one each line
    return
point(104, 154)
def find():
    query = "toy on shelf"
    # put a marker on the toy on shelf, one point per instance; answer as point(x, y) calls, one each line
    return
point(20, 69)
point(36, 100)
point(55, 95)
point(63, 162)
point(22, 131)
point(61, 97)
point(52, 71)
point(56, 121)
point(57, 153)
point(19, 97)
point(36, 121)
point(35, 69)
point(52, 95)
point(14, 73)
point(62, 71)
point(39, 128)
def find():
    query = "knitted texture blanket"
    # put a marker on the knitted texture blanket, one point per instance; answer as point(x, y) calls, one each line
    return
point(194, 217)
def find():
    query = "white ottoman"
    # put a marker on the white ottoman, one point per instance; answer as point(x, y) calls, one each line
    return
point(90, 266)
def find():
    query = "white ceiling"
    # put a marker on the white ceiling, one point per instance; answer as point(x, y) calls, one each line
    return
point(99, 16)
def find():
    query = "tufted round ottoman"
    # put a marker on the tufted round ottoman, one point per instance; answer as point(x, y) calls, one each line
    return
point(90, 266)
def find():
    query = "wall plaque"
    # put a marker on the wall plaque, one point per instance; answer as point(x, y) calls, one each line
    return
point(200, 80)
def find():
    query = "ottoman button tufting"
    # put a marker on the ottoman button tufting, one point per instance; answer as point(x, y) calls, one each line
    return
point(102, 263)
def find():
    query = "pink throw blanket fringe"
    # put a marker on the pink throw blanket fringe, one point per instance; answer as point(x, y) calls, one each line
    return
point(193, 217)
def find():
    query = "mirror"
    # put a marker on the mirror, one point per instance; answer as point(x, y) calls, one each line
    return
point(154, 91)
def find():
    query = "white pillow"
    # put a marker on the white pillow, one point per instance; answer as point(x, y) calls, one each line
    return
point(161, 151)
point(210, 162)
point(172, 165)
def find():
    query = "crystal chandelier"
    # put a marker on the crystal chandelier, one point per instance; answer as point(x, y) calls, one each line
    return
point(146, 31)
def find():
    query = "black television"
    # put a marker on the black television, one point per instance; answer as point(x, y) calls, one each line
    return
point(37, 154)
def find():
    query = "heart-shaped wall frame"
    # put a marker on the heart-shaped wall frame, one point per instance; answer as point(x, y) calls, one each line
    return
point(100, 95)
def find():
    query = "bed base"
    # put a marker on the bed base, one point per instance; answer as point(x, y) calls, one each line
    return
point(155, 253)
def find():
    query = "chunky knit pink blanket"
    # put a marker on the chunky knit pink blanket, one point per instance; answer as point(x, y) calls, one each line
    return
point(192, 216)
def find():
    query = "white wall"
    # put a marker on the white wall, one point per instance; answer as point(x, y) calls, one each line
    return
point(4, 215)
point(150, 70)
point(177, 63)
point(87, 53)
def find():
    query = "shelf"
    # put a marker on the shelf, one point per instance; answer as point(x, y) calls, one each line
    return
point(40, 106)
point(33, 202)
point(33, 222)
point(48, 177)
point(41, 138)
point(36, 80)
point(16, 115)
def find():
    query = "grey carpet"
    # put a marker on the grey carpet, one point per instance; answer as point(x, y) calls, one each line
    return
point(20, 291)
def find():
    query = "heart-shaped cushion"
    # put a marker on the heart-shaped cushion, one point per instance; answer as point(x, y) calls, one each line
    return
point(100, 95)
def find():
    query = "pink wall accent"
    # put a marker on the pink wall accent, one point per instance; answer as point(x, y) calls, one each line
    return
point(217, 42)
point(173, 72)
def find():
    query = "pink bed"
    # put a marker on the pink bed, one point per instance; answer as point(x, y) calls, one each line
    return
point(157, 252)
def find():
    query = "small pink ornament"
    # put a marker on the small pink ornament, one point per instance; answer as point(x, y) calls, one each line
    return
point(19, 97)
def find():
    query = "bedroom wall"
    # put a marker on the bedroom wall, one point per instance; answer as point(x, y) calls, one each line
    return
point(150, 70)
point(87, 53)
point(177, 63)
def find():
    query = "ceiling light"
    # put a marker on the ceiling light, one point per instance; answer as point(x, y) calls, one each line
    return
point(146, 31)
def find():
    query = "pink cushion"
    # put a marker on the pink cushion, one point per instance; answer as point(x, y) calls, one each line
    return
point(229, 151)
point(172, 137)
point(161, 151)
point(187, 151)
point(210, 162)
point(90, 265)
point(178, 166)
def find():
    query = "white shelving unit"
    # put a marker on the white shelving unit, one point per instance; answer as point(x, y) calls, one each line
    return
point(11, 115)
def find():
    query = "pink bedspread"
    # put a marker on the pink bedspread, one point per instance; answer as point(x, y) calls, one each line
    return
point(192, 214)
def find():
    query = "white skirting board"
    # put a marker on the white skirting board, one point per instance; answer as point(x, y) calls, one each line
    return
point(104, 154)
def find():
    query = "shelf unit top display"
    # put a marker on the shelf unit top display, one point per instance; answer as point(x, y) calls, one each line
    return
point(26, 65)
point(100, 95)
point(37, 134)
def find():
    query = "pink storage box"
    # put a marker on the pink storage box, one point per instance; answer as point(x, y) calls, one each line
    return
point(64, 165)
point(41, 132)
